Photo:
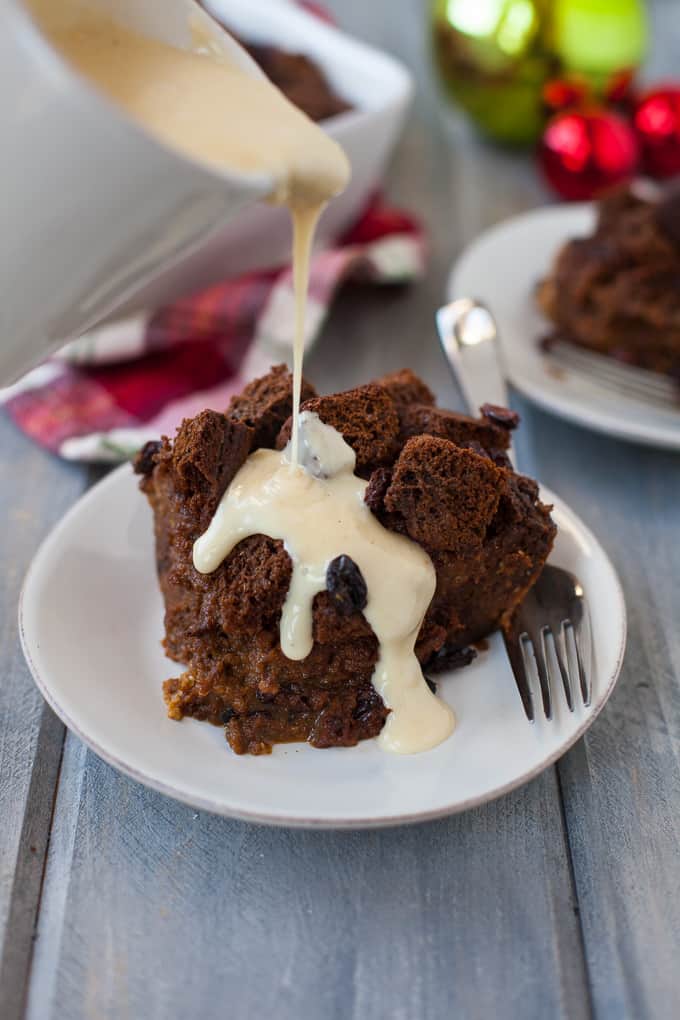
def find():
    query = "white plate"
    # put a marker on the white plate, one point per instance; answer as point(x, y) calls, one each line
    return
point(91, 622)
point(502, 268)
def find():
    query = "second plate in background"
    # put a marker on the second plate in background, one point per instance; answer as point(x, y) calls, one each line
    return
point(501, 268)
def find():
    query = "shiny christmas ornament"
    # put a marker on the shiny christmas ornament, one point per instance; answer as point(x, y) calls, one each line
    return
point(620, 91)
point(657, 123)
point(496, 56)
point(576, 92)
point(599, 38)
point(584, 152)
point(562, 94)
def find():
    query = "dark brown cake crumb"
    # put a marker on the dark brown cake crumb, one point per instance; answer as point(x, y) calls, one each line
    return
point(406, 388)
point(482, 525)
point(447, 496)
point(266, 403)
point(208, 451)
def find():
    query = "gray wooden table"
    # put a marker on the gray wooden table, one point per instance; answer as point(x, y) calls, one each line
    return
point(560, 900)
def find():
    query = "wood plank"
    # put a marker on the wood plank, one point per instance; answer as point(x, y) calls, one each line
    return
point(35, 489)
point(621, 784)
point(151, 909)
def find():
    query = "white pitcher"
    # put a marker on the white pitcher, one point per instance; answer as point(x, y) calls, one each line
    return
point(91, 207)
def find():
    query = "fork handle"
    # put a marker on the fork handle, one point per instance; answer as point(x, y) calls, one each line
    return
point(468, 335)
point(469, 339)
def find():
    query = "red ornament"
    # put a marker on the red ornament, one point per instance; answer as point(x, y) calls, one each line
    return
point(564, 93)
point(657, 122)
point(620, 92)
point(584, 152)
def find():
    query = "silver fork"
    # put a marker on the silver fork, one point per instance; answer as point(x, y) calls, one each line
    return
point(548, 641)
point(638, 383)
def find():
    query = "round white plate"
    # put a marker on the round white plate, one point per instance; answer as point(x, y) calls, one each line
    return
point(91, 623)
point(502, 268)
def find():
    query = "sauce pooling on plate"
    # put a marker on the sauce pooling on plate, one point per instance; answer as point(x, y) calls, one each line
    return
point(308, 496)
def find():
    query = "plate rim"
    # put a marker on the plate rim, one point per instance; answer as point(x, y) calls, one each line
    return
point(658, 436)
point(310, 822)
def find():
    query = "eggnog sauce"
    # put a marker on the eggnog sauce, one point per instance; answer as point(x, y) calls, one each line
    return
point(317, 509)
point(308, 496)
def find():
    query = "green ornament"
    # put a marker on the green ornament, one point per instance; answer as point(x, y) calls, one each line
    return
point(597, 38)
point(495, 56)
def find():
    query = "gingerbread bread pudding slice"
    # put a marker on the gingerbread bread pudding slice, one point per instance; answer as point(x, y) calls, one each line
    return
point(440, 478)
point(617, 292)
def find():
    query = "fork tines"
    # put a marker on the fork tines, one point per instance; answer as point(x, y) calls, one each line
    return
point(636, 383)
point(543, 662)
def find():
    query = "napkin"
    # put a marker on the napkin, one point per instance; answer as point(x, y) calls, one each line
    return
point(106, 393)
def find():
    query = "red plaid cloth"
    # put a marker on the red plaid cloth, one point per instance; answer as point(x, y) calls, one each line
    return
point(108, 392)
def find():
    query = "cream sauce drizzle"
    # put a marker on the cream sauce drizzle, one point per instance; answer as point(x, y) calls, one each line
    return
point(304, 225)
point(319, 516)
point(218, 114)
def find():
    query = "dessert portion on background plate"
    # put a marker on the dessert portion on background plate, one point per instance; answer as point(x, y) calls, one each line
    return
point(617, 291)
point(301, 79)
point(438, 481)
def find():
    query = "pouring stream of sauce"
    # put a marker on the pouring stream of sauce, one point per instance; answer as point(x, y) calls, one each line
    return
point(309, 496)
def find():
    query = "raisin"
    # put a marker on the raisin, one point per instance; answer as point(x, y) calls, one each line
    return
point(367, 703)
point(503, 416)
point(227, 715)
point(472, 444)
point(431, 684)
point(346, 585)
point(378, 484)
point(144, 461)
point(501, 459)
point(449, 658)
